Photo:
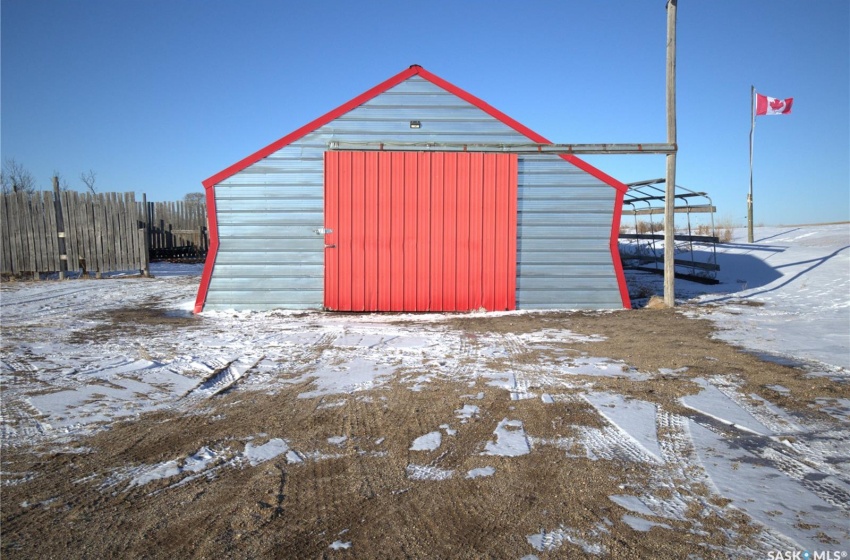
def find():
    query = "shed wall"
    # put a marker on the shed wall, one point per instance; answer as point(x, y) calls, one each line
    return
point(270, 214)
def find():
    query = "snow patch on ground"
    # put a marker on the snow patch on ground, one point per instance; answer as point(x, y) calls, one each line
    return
point(467, 411)
point(196, 463)
point(635, 417)
point(511, 440)
point(428, 442)
point(427, 472)
point(641, 524)
point(769, 495)
point(358, 374)
point(786, 296)
point(480, 472)
point(713, 402)
point(265, 452)
point(546, 541)
point(631, 503)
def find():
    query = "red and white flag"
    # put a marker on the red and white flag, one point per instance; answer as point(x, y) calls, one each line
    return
point(771, 106)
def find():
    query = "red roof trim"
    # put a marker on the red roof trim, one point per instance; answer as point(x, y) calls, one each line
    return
point(581, 164)
point(522, 129)
point(311, 126)
point(212, 250)
point(615, 250)
point(210, 183)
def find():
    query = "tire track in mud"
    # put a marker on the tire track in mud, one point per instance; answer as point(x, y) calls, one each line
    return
point(521, 383)
point(19, 419)
point(530, 374)
point(680, 462)
point(383, 473)
point(467, 356)
point(612, 443)
point(365, 430)
point(790, 448)
point(687, 481)
point(773, 422)
point(783, 457)
point(16, 298)
point(300, 361)
point(222, 379)
point(20, 423)
point(829, 488)
point(511, 365)
point(14, 365)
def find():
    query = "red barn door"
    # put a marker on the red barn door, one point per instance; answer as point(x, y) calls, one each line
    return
point(420, 231)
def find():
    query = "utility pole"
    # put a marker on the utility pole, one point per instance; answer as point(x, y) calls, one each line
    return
point(670, 187)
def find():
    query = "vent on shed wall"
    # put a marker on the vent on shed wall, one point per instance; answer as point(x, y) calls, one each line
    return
point(420, 231)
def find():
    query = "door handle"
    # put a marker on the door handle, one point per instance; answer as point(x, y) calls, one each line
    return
point(331, 246)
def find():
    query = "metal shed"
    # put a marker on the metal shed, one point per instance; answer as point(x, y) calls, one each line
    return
point(379, 206)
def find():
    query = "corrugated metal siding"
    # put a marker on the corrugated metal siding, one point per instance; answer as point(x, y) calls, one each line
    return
point(270, 255)
point(426, 231)
point(564, 228)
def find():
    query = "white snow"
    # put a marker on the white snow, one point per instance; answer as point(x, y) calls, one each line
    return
point(641, 524)
point(551, 540)
point(467, 412)
point(511, 440)
point(358, 374)
point(838, 408)
point(427, 472)
point(770, 495)
point(480, 472)
point(633, 416)
point(197, 462)
point(428, 442)
point(631, 503)
point(785, 297)
point(800, 277)
point(714, 403)
point(265, 452)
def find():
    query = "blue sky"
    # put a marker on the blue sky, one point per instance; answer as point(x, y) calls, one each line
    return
point(155, 96)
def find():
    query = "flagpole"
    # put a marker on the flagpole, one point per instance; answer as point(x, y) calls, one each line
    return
point(750, 195)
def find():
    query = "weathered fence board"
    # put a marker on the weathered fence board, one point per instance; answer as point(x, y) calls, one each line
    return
point(96, 236)
point(51, 225)
point(105, 232)
point(101, 232)
point(28, 232)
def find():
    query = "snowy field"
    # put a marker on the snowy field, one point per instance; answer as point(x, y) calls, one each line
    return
point(79, 355)
point(801, 275)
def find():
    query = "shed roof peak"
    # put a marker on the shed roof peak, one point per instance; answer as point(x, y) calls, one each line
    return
point(412, 70)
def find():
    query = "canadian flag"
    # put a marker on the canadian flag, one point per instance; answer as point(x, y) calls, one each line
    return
point(770, 106)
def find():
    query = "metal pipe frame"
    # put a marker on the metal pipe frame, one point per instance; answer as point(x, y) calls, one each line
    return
point(656, 148)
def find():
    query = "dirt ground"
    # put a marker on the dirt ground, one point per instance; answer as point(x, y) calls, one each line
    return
point(363, 490)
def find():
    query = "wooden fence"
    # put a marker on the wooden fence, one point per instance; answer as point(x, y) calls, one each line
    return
point(29, 233)
point(48, 232)
point(178, 230)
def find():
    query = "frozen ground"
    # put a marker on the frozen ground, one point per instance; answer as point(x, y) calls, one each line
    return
point(787, 294)
point(79, 355)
